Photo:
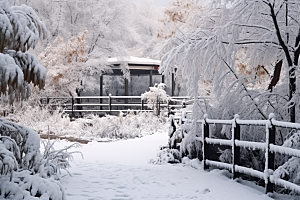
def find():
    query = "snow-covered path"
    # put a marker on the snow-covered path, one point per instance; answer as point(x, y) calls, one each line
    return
point(120, 171)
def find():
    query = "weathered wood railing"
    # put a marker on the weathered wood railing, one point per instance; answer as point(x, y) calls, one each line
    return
point(268, 146)
point(111, 104)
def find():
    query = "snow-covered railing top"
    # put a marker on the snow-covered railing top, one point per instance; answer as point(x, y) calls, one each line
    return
point(268, 146)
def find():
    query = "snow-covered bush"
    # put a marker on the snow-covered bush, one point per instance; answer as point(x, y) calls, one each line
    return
point(53, 161)
point(185, 136)
point(40, 118)
point(22, 166)
point(20, 30)
point(195, 163)
point(290, 170)
point(167, 156)
point(120, 127)
point(156, 95)
point(174, 133)
point(25, 185)
point(23, 142)
point(92, 127)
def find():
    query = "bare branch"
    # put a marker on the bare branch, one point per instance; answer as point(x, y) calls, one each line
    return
point(244, 87)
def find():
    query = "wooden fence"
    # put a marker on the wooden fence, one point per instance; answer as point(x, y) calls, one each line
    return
point(268, 146)
point(102, 105)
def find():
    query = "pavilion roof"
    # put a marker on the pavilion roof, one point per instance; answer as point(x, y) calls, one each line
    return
point(133, 61)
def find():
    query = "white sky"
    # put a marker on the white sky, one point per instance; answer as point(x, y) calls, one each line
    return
point(158, 3)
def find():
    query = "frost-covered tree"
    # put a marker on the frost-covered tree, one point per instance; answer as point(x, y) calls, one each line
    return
point(175, 21)
point(116, 27)
point(258, 34)
point(147, 25)
point(25, 173)
point(241, 50)
point(20, 30)
point(176, 17)
point(67, 68)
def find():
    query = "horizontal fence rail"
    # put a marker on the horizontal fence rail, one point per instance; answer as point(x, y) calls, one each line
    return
point(113, 104)
point(235, 143)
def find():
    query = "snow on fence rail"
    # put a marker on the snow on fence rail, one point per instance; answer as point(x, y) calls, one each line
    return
point(112, 104)
point(268, 146)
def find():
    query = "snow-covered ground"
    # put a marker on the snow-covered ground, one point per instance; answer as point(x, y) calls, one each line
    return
point(120, 171)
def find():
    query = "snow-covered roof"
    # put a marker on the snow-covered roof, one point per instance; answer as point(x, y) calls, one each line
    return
point(133, 60)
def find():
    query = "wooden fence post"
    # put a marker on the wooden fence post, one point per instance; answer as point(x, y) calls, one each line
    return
point(168, 107)
point(172, 130)
point(78, 101)
point(205, 134)
point(155, 108)
point(109, 103)
point(73, 115)
point(183, 104)
point(183, 116)
point(172, 125)
point(101, 91)
point(142, 102)
point(158, 108)
point(100, 102)
point(181, 122)
point(271, 155)
point(236, 135)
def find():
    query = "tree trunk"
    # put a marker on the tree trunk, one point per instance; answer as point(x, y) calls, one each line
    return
point(292, 90)
point(291, 64)
point(292, 74)
point(276, 75)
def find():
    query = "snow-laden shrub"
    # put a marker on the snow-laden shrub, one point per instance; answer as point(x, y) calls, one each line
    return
point(188, 146)
point(120, 127)
point(191, 147)
point(24, 172)
point(175, 133)
point(25, 185)
point(174, 139)
point(156, 95)
point(53, 161)
point(40, 119)
point(167, 156)
point(194, 163)
point(91, 127)
point(290, 170)
point(8, 162)
point(28, 142)
point(226, 156)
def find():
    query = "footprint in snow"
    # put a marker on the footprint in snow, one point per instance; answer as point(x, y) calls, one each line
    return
point(205, 191)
